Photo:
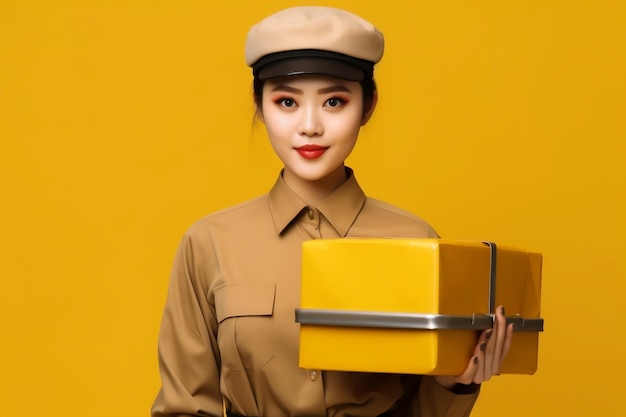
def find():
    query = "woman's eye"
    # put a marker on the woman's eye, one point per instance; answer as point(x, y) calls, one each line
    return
point(287, 102)
point(334, 102)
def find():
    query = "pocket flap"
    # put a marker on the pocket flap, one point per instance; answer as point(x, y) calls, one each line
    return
point(244, 300)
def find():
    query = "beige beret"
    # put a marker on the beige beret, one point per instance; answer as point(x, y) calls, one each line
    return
point(313, 40)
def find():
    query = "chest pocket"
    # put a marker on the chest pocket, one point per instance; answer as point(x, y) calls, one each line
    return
point(245, 335)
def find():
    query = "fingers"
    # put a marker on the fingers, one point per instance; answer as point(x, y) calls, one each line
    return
point(473, 372)
point(489, 353)
point(500, 330)
point(498, 344)
point(469, 374)
point(478, 360)
point(487, 359)
point(507, 343)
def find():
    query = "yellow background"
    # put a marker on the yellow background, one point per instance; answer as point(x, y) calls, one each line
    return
point(122, 122)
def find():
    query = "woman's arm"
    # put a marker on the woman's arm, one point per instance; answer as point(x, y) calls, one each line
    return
point(188, 354)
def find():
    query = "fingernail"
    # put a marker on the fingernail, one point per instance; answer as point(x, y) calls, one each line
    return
point(475, 360)
point(502, 310)
point(483, 346)
point(488, 334)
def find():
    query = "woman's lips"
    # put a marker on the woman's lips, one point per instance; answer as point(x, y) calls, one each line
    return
point(311, 151)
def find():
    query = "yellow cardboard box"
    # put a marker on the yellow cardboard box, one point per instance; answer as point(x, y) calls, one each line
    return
point(414, 305)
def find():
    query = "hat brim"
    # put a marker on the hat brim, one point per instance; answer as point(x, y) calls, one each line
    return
point(311, 65)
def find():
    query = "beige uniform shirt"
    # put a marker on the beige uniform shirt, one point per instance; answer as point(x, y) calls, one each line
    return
point(229, 333)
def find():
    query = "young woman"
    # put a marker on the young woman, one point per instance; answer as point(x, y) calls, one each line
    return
point(228, 336)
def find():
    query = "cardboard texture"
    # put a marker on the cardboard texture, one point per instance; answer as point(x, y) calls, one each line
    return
point(419, 277)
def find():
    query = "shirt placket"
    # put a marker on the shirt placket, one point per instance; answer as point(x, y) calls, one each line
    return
point(310, 223)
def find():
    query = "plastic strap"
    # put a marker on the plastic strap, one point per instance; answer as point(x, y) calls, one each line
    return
point(493, 250)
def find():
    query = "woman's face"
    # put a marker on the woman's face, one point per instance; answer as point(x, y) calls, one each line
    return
point(313, 123)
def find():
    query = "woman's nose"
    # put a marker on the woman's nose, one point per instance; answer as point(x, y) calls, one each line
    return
point(310, 123)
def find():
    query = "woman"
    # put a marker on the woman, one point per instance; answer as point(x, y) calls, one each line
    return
point(228, 336)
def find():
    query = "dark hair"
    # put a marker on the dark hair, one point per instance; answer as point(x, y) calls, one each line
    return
point(368, 85)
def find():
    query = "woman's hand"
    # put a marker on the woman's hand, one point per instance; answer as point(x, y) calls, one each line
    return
point(493, 345)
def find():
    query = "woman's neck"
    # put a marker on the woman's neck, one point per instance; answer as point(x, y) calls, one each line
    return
point(313, 192)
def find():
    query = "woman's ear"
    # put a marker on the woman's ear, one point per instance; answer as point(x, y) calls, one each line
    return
point(369, 110)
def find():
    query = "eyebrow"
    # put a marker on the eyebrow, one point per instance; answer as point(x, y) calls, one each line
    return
point(325, 90)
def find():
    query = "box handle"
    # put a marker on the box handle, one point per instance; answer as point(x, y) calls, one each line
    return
point(391, 320)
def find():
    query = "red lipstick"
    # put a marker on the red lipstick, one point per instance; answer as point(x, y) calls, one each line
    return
point(311, 151)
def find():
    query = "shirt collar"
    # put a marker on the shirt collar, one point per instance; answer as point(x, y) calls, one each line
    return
point(340, 208)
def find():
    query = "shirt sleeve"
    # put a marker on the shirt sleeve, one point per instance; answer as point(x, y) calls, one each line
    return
point(424, 397)
point(188, 353)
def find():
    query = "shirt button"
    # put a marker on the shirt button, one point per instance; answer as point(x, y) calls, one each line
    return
point(313, 375)
point(311, 214)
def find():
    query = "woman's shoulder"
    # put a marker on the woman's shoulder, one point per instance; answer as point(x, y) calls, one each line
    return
point(245, 214)
point(394, 221)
